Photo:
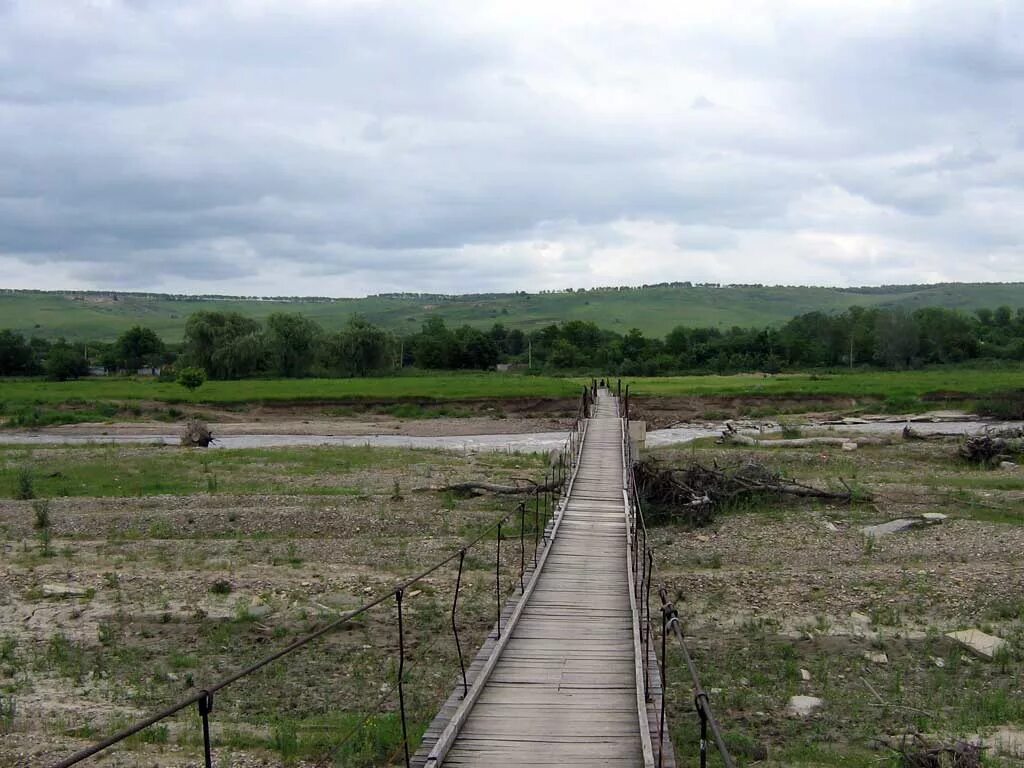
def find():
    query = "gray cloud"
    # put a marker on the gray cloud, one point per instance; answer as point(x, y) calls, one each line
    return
point(345, 147)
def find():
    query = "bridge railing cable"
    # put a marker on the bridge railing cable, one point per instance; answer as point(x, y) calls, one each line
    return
point(643, 577)
point(546, 501)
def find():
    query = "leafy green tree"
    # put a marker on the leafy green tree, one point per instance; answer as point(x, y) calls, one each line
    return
point(359, 349)
point(292, 341)
point(64, 362)
point(242, 356)
point(209, 338)
point(15, 354)
point(191, 378)
point(435, 345)
point(897, 339)
point(474, 349)
point(137, 347)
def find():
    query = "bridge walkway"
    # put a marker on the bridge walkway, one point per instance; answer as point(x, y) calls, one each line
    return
point(566, 686)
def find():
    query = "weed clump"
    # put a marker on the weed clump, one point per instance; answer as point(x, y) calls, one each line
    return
point(25, 485)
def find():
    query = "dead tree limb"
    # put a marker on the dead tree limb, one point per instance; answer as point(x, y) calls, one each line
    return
point(478, 487)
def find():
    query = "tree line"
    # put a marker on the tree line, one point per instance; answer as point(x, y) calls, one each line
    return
point(228, 345)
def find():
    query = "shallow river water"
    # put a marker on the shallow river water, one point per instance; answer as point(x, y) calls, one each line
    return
point(523, 443)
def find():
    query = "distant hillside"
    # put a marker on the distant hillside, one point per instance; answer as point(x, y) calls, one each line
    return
point(654, 309)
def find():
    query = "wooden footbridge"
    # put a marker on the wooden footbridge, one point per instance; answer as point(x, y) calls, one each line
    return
point(563, 683)
point(572, 672)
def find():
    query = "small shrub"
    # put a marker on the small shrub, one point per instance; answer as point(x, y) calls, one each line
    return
point(8, 710)
point(41, 508)
point(191, 378)
point(25, 487)
point(286, 741)
point(221, 587)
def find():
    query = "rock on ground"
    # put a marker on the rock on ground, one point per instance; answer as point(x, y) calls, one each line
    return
point(804, 706)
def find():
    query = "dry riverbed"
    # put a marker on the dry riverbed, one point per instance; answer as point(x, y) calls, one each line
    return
point(785, 600)
point(166, 568)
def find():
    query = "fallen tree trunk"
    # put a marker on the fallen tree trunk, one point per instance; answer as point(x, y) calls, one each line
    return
point(731, 436)
point(475, 487)
point(909, 433)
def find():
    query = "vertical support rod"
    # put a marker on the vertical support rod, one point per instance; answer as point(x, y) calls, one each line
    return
point(664, 688)
point(205, 707)
point(647, 639)
point(401, 675)
point(536, 529)
point(497, 578)
point(455, 628)
point(703, 731)
point(522, 547)
point(536, 511)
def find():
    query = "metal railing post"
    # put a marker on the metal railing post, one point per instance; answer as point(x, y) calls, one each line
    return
point(664, 688)
point(522, 547)
point(401, 674)
point(647, 625)
point(698, 704)
point(497, 578)
point(205, 705)
point(455, 628)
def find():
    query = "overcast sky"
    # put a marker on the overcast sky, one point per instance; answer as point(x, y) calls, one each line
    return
point(343, 148)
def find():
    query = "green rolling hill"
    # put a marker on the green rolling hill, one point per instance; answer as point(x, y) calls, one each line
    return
point(653, 309)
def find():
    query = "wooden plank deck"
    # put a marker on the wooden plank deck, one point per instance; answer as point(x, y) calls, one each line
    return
point(563, 690)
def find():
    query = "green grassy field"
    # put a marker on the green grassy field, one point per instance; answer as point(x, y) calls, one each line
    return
point(31, 403)
point(455, 386)
point(654, 310)
point(894, 385)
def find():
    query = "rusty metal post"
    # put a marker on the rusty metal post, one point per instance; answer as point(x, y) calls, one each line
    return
point(205, 707)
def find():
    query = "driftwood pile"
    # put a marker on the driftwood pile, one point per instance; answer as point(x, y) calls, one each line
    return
point(196, 434)
point(695, 492)
point(919, 753)
point(989, 450)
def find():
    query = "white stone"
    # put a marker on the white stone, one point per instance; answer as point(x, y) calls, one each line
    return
point(1007, 465)
point(893, 526)
point(804, 706)
point(849, 446)
point(876, 657)
point(1007, 742)
point(831, 527)
point(805, 675)
point(979, 643)
point(933, 517)
point(938, 662)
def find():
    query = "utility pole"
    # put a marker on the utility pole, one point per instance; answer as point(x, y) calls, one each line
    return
point(530, 354)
